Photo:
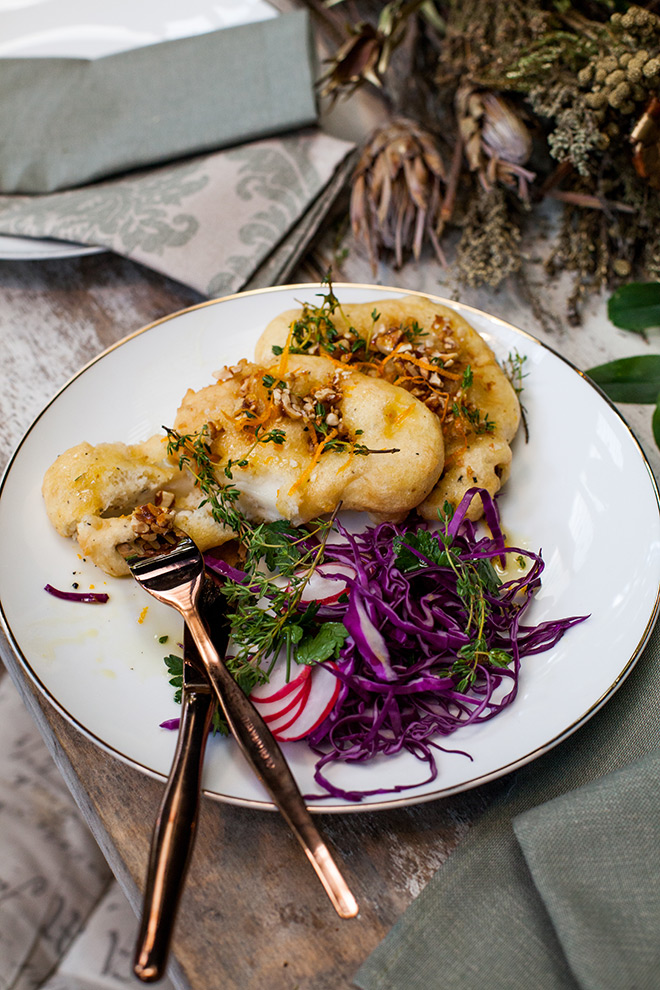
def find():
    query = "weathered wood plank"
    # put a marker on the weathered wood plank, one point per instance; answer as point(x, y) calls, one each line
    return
point(253, 913)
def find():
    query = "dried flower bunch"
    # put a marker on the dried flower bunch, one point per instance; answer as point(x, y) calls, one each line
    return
point(495, 106)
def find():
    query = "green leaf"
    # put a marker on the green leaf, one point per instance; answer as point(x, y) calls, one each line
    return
point(635, 306)
point(499, 658)
point(174, 666)
point(655, 422)
point(279, 544)
point(633, 379)
point(488, 575)
point(326, 643)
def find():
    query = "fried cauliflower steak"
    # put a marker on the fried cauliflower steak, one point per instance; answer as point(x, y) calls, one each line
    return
point(294, 440)
point(433, 353)
point(302, 435)
point(91, 492)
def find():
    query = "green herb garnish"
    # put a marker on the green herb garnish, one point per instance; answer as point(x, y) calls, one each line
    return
point(475, 579)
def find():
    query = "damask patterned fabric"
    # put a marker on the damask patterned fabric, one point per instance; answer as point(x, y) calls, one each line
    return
point(215, 222)
point(101, 957)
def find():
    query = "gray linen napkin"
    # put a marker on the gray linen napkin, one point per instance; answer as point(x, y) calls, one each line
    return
point(558, 885)
point(69, 121)
point(238, 218)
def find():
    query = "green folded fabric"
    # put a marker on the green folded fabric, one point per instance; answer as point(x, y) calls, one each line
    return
point(69, 121)
point(557, 886)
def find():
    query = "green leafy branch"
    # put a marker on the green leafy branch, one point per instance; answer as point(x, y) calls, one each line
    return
point(634, 307)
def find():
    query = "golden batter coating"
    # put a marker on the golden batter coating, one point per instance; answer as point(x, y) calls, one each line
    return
point(90, 493)
point(304, 434)
point(432, 352)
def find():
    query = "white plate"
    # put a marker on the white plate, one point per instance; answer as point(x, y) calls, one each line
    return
point(80, 29)
point(581, 490)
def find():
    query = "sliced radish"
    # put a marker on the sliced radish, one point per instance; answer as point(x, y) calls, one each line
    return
point(277, 686)
point(284, 720)
point(323, 693)
point(292, 700)
point(327, 583)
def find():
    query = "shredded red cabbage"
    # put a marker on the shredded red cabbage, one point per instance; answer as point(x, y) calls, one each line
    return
point(398, 690)
point(87, 597)
point(401, 687)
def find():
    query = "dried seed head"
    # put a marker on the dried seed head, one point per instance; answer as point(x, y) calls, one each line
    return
point(496, 141)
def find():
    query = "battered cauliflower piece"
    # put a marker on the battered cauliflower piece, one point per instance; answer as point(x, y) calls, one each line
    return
point(90, 493)
point(104, 480)
point(300, 436)
point(433, 353)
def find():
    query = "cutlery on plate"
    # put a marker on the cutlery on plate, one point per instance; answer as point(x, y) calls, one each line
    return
point(174, 833)
point(171, 568)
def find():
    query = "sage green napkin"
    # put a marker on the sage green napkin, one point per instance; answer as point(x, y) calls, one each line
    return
point(558, 885)
point(69, 121)
point(238, 218)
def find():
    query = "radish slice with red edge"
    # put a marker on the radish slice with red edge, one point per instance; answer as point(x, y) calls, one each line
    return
point(324, 690)
point(291, 701)
point(284, 720)
point(277, 687)
point(327, 583)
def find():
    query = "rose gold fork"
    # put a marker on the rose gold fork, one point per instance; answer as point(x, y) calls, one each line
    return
point(172, 570)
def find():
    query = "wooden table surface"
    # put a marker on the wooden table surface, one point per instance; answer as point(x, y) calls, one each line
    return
point(253, 914)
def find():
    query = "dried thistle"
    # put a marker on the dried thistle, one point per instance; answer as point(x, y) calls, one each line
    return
point(354, 63)
point(396, 191)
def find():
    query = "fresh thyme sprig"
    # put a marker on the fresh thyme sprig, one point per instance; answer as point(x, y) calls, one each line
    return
point(195, 454)
point(265, 608)
point(316, 326)
point(268, 615)
point(513, 369)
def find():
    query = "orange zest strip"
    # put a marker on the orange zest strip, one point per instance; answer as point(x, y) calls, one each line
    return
point(252, 422)
point(351, 455)
point(284, 359)
point(312, 464)
point(445, 397)
point(404, 414)
point(415, 379)
point(460, 450)
point(420, 363)
point(418, 380)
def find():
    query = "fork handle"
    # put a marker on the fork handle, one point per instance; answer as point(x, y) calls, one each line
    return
point(173, 838)
point(267, 760)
